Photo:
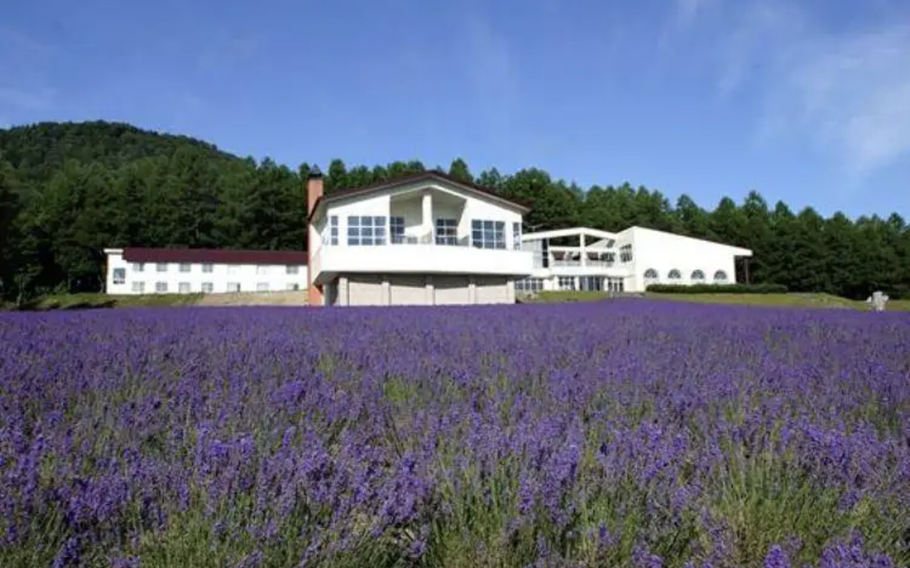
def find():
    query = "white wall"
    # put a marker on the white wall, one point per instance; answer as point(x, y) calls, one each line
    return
point(247, 275)
point(664, 252)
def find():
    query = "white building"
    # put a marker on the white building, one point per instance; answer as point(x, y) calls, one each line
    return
point(425, 239)
point(185, 271)
point(628, 261)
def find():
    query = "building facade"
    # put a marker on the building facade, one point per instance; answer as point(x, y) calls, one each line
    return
point(188, 271)
point(628, 261)
point(426, 239)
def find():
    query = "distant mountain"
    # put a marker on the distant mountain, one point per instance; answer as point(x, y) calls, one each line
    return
point(38, 150)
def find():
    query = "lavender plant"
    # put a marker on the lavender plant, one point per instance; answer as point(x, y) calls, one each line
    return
point(616, 434)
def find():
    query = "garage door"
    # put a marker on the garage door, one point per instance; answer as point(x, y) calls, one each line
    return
point(408, 290)
point(365, 290)
point(451, 290)
point(491, 290)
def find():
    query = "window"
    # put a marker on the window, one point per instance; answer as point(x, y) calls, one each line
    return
point(185, 266)
point(396, 230)
point(120, 276)
point(698, 276)
point(161, 267)
point(183, 287)
point(330, 232)
point(233, 287)
point(592, 283)
point(233, 269)
point(615, 285)
point(720, 276)
point(529, 285)
point(488, 234)
point(674, 274)
point(516, 236)
point(446, 232)
point(208, 287)
point(366, 231)
point(292, 269)
point(625, 253)
point(262, 270)
point(566, 282)
point(262, 287)
point(293, 287)
point(160, 287)
point(138, 267)
point(139, 287)
point(207, 267)
point(651, 274)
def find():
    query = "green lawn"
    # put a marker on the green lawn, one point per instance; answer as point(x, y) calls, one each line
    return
point(97, 300)
point(794, 299)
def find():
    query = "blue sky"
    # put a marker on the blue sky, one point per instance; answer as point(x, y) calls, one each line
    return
point(807, 101)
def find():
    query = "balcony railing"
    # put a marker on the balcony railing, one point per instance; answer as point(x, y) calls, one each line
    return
point(430, 239)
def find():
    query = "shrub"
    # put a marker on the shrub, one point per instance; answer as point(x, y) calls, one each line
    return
point(718, 288)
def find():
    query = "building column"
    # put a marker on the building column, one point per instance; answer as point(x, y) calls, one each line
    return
point(431, 292)
point(386, 291)
point(426, 204)
point(343, 291)
point(511, 287)
point(472, 290)
point(584, 251)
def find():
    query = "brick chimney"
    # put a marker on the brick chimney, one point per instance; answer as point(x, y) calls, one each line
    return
point(314, 191)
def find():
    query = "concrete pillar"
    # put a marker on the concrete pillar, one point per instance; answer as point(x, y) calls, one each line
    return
point(472, 290)
point(431, 292)
point(427, 214)
point(343, 299)
point(511, 286)
point(584, 251)
point(386, 291)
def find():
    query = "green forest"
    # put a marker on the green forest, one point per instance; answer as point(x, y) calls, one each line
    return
point(68, 190)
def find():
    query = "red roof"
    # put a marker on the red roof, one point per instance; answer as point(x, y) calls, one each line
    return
point(215, 256)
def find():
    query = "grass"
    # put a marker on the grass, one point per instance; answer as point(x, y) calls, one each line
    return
point(800, 300)
point(96, 300)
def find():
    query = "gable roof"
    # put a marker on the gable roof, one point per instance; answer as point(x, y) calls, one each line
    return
point(431, 175)
point(215, 256)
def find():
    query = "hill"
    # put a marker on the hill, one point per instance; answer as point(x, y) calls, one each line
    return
point(38, 150)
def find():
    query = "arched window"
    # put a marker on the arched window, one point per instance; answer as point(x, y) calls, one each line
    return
point(651, 274)
point(698, 276)
point(674, 275)
point(720, 276)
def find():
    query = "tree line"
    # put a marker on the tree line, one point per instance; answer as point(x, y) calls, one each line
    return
point(69, 190)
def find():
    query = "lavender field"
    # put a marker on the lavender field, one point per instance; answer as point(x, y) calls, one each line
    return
point(635, 433)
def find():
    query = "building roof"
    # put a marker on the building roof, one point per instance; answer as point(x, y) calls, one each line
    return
point(431, 175)
point(214, 256)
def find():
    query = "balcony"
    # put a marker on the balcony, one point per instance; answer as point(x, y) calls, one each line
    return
point(423, 254)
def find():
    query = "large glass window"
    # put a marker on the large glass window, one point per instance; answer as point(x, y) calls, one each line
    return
point(366, 231)
point(120, 276)
point(625, 253)
point(529, 285)
point(566, 282)
point(488, 234)
point(396, 230)
point(592, 283)
point(447, 232)
point(330, 232)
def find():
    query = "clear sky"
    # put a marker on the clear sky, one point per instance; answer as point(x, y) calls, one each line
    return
point(804, 100)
